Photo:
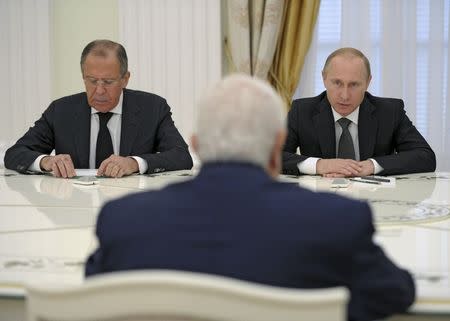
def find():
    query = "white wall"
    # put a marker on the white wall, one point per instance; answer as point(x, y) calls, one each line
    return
point(75, 23)
point(25, 60)
point(174, 50)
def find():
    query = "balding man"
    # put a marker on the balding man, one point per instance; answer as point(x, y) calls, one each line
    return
point(345, 131)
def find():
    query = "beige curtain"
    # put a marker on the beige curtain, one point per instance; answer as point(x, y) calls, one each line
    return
point(298, 26)
point(253, 32)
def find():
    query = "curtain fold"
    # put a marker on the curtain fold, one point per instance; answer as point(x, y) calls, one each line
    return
point(298, 27)
point(269, 39)
point(253, 31)
point(174, 50)
point(25, 85)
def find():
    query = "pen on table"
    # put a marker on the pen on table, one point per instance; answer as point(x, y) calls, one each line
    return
point(376, 179)
point(364, 181)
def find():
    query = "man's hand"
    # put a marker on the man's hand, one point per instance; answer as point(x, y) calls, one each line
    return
point(118, 166)
point(367, 168)
point(61, 165)
point(338, 167)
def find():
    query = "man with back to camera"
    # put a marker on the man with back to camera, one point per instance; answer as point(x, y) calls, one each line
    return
point(234, 219)
point(117, 130)
point(345, 131)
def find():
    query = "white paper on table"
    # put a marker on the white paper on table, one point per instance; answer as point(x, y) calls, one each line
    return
point(376, 181)
point(86, 172)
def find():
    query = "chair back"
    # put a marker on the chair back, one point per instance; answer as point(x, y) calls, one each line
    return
point(175, 295)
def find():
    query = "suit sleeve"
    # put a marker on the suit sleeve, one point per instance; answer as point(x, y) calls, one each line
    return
point(172, 152)
point(290, 158)
point(379, 288)
point(38, 140)
point(412, 153)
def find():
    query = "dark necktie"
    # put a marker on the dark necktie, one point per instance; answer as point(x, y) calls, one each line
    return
point(104, 147)
point(345, 148)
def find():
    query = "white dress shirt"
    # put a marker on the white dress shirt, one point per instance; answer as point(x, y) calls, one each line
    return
point(309, 165)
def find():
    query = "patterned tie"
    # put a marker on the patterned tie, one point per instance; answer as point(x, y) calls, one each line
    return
point(104, 147)
point(345, 148)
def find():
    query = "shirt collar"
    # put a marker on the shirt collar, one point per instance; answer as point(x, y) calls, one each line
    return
point(115, 110)
point(353, 116)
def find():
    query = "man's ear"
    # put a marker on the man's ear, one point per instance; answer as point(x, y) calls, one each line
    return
point(125, 79)
point(194, 143)
point(275, 161)
point(368, 82)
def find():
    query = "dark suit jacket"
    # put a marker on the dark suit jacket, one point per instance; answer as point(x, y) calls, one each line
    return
point(233, 220)
point(385, 134)
point(148, 131)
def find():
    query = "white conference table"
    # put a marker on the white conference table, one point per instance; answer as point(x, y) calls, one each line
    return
point(47, 229)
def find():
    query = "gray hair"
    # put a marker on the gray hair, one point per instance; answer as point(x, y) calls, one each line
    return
point(102, 48)
point(349, 52)
point(238, 120)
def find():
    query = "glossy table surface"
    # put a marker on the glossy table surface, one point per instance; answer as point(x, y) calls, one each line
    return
point(47, 226)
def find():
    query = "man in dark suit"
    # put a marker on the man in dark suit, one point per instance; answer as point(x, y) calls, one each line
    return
point(117, 130)
point(379, 139)
point(234, 219)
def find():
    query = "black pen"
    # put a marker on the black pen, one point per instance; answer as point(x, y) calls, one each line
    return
point(377, 179)
point(364, 181)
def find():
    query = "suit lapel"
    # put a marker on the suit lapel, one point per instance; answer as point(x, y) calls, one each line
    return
point(324, 126)
point(82, 133)
point(130, 120)
point(367, 129)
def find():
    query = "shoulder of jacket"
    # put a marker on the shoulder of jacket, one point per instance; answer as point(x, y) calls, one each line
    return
point(71, 99)
point(138, 94)
point(308, 101)
point(380, 101)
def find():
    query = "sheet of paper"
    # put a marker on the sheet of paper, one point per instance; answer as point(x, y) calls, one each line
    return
point(381, 181)
point(86, 172)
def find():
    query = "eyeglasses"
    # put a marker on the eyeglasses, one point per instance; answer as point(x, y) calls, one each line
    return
point(94, 82)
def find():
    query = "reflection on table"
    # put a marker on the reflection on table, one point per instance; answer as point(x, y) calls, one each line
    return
point(47, 226)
